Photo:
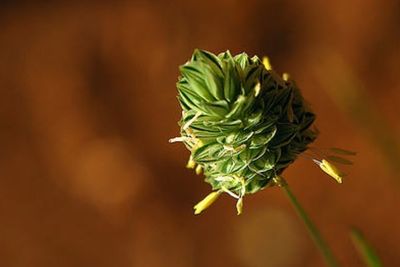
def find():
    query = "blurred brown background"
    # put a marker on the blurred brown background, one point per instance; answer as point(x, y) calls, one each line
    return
point(88, 103)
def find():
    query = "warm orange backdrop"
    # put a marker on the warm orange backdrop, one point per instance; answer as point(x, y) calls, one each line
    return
point(88, 103)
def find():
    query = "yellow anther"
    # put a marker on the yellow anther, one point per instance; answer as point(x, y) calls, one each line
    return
point(199, 169)
point(197, 145)
point(331, 170)
point(191, 163)
point(285, 76)
point(257, 89)
point(239, 206)
point(266, 63)
point(206, 202)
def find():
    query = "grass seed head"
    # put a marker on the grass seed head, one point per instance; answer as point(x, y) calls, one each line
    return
point(242, 123)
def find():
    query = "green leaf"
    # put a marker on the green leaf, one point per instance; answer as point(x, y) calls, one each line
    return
point(365, 250)
point(269, 99)
point(249, 155)
point(231, 82)
point(266, 125)
point(223, 126)
point(265, 163)
point(256, 60)
point(258, 182)
point(307, 120)
point(194, 76)
point(213, 82)
point(285, 133)
point(283, 97)
point(183, 87)
point(252, 77)
point(242, 137)
point(221, 103)
point(263, 139)
point(207, 152)
point(279, 82)
point(237, 107)
point(215, 109)
point(210, 59)
point(229, 166)
point(199, 129)
point(225, 122)
point(242, 59)
point(253, 119)
point(187, 102)
point(225, 55)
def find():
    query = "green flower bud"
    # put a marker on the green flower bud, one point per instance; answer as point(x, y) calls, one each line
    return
point(242, 123)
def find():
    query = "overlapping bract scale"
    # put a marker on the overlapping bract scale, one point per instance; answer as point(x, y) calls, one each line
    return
point(242, 123)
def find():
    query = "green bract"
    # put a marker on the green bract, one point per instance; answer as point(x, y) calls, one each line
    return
point(242, 123)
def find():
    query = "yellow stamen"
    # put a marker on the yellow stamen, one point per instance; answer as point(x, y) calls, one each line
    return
point(239, 206)
point(206, 202)
point(197, 145)
point(286, 77)
point(266, 63)
point(257, 89)
point(191, 163)
point(198, 169)
point(331, 170)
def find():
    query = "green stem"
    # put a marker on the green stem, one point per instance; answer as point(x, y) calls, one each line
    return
point(365, 250)
point(312, 229)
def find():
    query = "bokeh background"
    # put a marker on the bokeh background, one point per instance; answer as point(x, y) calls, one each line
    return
point(88, 103)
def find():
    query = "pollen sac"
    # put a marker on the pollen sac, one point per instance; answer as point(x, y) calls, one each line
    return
point(242, 123)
